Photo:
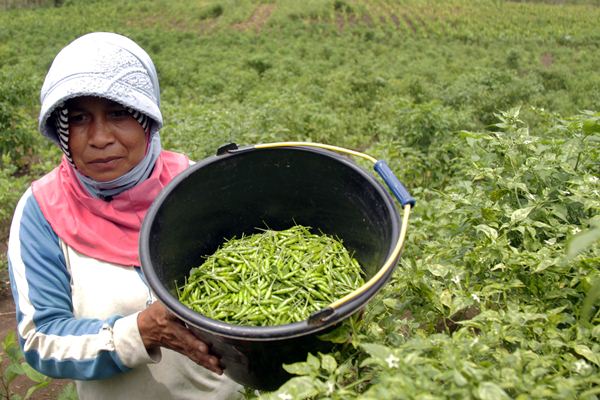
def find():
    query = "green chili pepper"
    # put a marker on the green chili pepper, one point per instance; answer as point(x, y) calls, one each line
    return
point(271, 277)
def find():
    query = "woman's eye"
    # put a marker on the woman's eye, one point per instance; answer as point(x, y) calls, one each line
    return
point(77, 118)
point(119, 113)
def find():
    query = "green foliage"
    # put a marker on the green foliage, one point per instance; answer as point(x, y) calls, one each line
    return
point(16, 367)
point(69, 392)
point(16, 139)
point(11, 188)
point(476, 106)
point(212, 11)
point(508, 308)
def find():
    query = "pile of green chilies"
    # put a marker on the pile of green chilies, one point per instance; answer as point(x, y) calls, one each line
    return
point(271, 278)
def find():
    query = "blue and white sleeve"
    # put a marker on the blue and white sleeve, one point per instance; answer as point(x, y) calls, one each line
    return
point(53, 340)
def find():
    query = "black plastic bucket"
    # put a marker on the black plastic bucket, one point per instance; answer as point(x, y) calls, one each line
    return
point(244, 189)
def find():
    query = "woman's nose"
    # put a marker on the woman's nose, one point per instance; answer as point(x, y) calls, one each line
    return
point(101, 134)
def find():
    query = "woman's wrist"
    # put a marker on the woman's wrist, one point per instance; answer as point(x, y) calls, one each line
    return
point(129, 344)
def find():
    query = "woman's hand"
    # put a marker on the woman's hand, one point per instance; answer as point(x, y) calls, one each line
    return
point(159, 327)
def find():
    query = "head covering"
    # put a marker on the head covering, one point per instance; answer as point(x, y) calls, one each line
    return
point(101, 64)
point(110, 66)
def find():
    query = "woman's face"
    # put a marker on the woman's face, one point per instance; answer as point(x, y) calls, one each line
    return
point(105, 140)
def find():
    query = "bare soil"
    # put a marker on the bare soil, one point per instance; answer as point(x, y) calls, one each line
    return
point(258, 19)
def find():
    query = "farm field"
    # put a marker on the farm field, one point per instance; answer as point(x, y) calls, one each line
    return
point(487, 110)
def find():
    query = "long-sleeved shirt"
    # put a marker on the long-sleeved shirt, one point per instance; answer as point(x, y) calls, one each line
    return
point(77, 319)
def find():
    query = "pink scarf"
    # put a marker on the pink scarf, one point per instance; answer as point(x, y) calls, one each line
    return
point(108, 231)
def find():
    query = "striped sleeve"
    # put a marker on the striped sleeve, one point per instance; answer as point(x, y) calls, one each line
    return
point(53, 340)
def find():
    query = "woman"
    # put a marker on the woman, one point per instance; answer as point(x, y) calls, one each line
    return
point(84, 311)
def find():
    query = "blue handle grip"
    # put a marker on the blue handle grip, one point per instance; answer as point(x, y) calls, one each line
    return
point(394, 184)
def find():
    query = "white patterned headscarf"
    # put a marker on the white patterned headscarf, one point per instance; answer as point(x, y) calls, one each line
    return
point(113, 67)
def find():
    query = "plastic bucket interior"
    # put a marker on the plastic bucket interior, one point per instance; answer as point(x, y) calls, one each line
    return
point(235, 193)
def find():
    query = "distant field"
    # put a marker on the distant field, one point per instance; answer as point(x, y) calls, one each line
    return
point(488, 111)
point(8, 4)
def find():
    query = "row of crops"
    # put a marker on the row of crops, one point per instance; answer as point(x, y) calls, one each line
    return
point(488, 111)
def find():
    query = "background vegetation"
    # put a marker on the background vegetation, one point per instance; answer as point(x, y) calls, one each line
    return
point(487, 110)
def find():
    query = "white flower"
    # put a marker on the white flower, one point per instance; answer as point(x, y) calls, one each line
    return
point(475, 297)
point(330, 387)
point(581, 366)
point(456, 279)
point(285, 396)
point(593, 179)
point(575, 230)
point(392, 361)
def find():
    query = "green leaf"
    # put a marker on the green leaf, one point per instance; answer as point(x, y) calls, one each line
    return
point(35, 388)
point(370, 361)
point(459, 379)
point(9, 340)
point(11, 348)
point(328, 363)
point(587, 353)
point(592, 297)
point(582, 241)
point(591, 125)
point(376, 350)
point(342, 334)
point(438, 270)
point(12, 371)
point(298, 388)
point(299, 368)
point(520, 214)
point(69, 392)
point(560, 211)
point(446, 298)
point(488, 231)
point(391, 303)
point(33, 374)
point(310, 367)
point(313, 361)
point(491, 391)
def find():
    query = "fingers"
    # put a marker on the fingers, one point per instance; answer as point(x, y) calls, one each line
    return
point(185, 342)
point(159, 327)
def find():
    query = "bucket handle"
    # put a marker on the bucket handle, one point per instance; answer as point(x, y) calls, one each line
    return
point(397, 188)
point(381, 167)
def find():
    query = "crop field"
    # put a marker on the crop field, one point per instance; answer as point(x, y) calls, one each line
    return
point(487, 110)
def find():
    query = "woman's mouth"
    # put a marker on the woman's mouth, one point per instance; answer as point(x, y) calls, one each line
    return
point(104, 163)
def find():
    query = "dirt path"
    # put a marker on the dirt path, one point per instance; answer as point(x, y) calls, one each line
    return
point(258, 18)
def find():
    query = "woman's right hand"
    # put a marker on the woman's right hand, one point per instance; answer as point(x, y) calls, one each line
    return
point(159, 327)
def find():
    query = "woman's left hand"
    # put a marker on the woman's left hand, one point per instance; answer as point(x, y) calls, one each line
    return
point(159, 327)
